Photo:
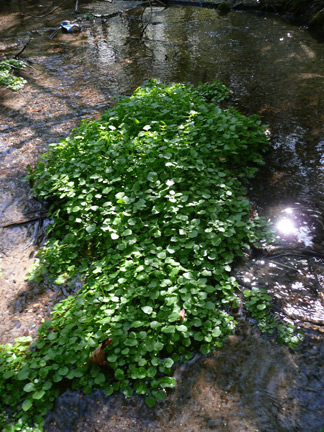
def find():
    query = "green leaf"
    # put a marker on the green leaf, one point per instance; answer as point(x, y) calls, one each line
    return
point(38, 394)
point(157, 346)
point(174, 316)
point(182, 328)
point(155, 324)
point(136, 324)
point(27, 404)
point(175, 271)
point(168, 382)
point(23, 374)
point(147, 309)
point(261, 306)
point(8, 374)
point(91, 228)
point(216, 332)
point(150, 401)
point(59, 281)
point(168, 362)
point(193, 234)
point(152, 177)
point(131, 342)
point(112, 358)
point(171, 250)
point(159, 395)
point(63, 371)
point(100, 379)
point(52, 335)
point(197, 322)
point(168, 329)
point(120, 195)
point(161, 255)
point(29, 387)
point(151, 372)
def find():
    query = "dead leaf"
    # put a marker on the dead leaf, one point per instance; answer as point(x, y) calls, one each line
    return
point(98, 356)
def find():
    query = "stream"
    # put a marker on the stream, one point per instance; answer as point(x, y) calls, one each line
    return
point(274, 69)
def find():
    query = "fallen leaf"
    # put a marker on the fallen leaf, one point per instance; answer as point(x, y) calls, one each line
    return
point(98, 356)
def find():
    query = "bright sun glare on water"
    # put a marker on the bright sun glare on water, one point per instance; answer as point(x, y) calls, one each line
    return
point(286, 225)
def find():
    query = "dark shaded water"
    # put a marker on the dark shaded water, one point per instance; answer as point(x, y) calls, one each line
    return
point(273, 69)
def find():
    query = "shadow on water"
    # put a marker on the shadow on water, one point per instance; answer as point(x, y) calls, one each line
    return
point(273, 69)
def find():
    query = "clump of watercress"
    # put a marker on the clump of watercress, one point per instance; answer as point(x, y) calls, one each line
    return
point(149, 208)
point(7, 76)
point(259, 304)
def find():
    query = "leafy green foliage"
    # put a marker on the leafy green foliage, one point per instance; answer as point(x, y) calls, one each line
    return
point(258, 303)
point(148, 208)
point(6, 74)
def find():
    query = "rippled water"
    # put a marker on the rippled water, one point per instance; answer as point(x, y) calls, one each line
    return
point(273, 69)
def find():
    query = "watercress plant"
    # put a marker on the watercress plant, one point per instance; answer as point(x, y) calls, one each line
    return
point(7, 78)
point(148, 208)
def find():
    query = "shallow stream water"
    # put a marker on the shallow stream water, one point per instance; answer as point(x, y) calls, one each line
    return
point(273, 69)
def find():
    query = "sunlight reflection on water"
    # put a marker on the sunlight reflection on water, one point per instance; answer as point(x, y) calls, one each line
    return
point(291, 224)
point(286, 226)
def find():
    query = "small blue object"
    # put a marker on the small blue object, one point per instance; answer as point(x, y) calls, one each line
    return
point(70, 27)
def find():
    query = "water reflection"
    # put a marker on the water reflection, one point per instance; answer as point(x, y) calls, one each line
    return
point(291, 225)
point(285, 225)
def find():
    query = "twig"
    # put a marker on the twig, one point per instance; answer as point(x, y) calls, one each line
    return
point(283, 265)
point(23, 49)
point(298, 252)
point(49, 13)
point(52, 36)
point(149, 21)
point(76, 9)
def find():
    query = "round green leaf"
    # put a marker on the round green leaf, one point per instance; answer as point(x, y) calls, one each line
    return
point(147, 309)
point(150, 401)
point(27, 404)
point(182, 328)
point(168, 329)
point(29, 387)
point(168, 362)
point(91, 228)
point(261, 306)
point(38, 394)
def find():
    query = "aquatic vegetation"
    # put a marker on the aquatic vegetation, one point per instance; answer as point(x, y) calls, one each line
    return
point(7, 78)
point(149, 209)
